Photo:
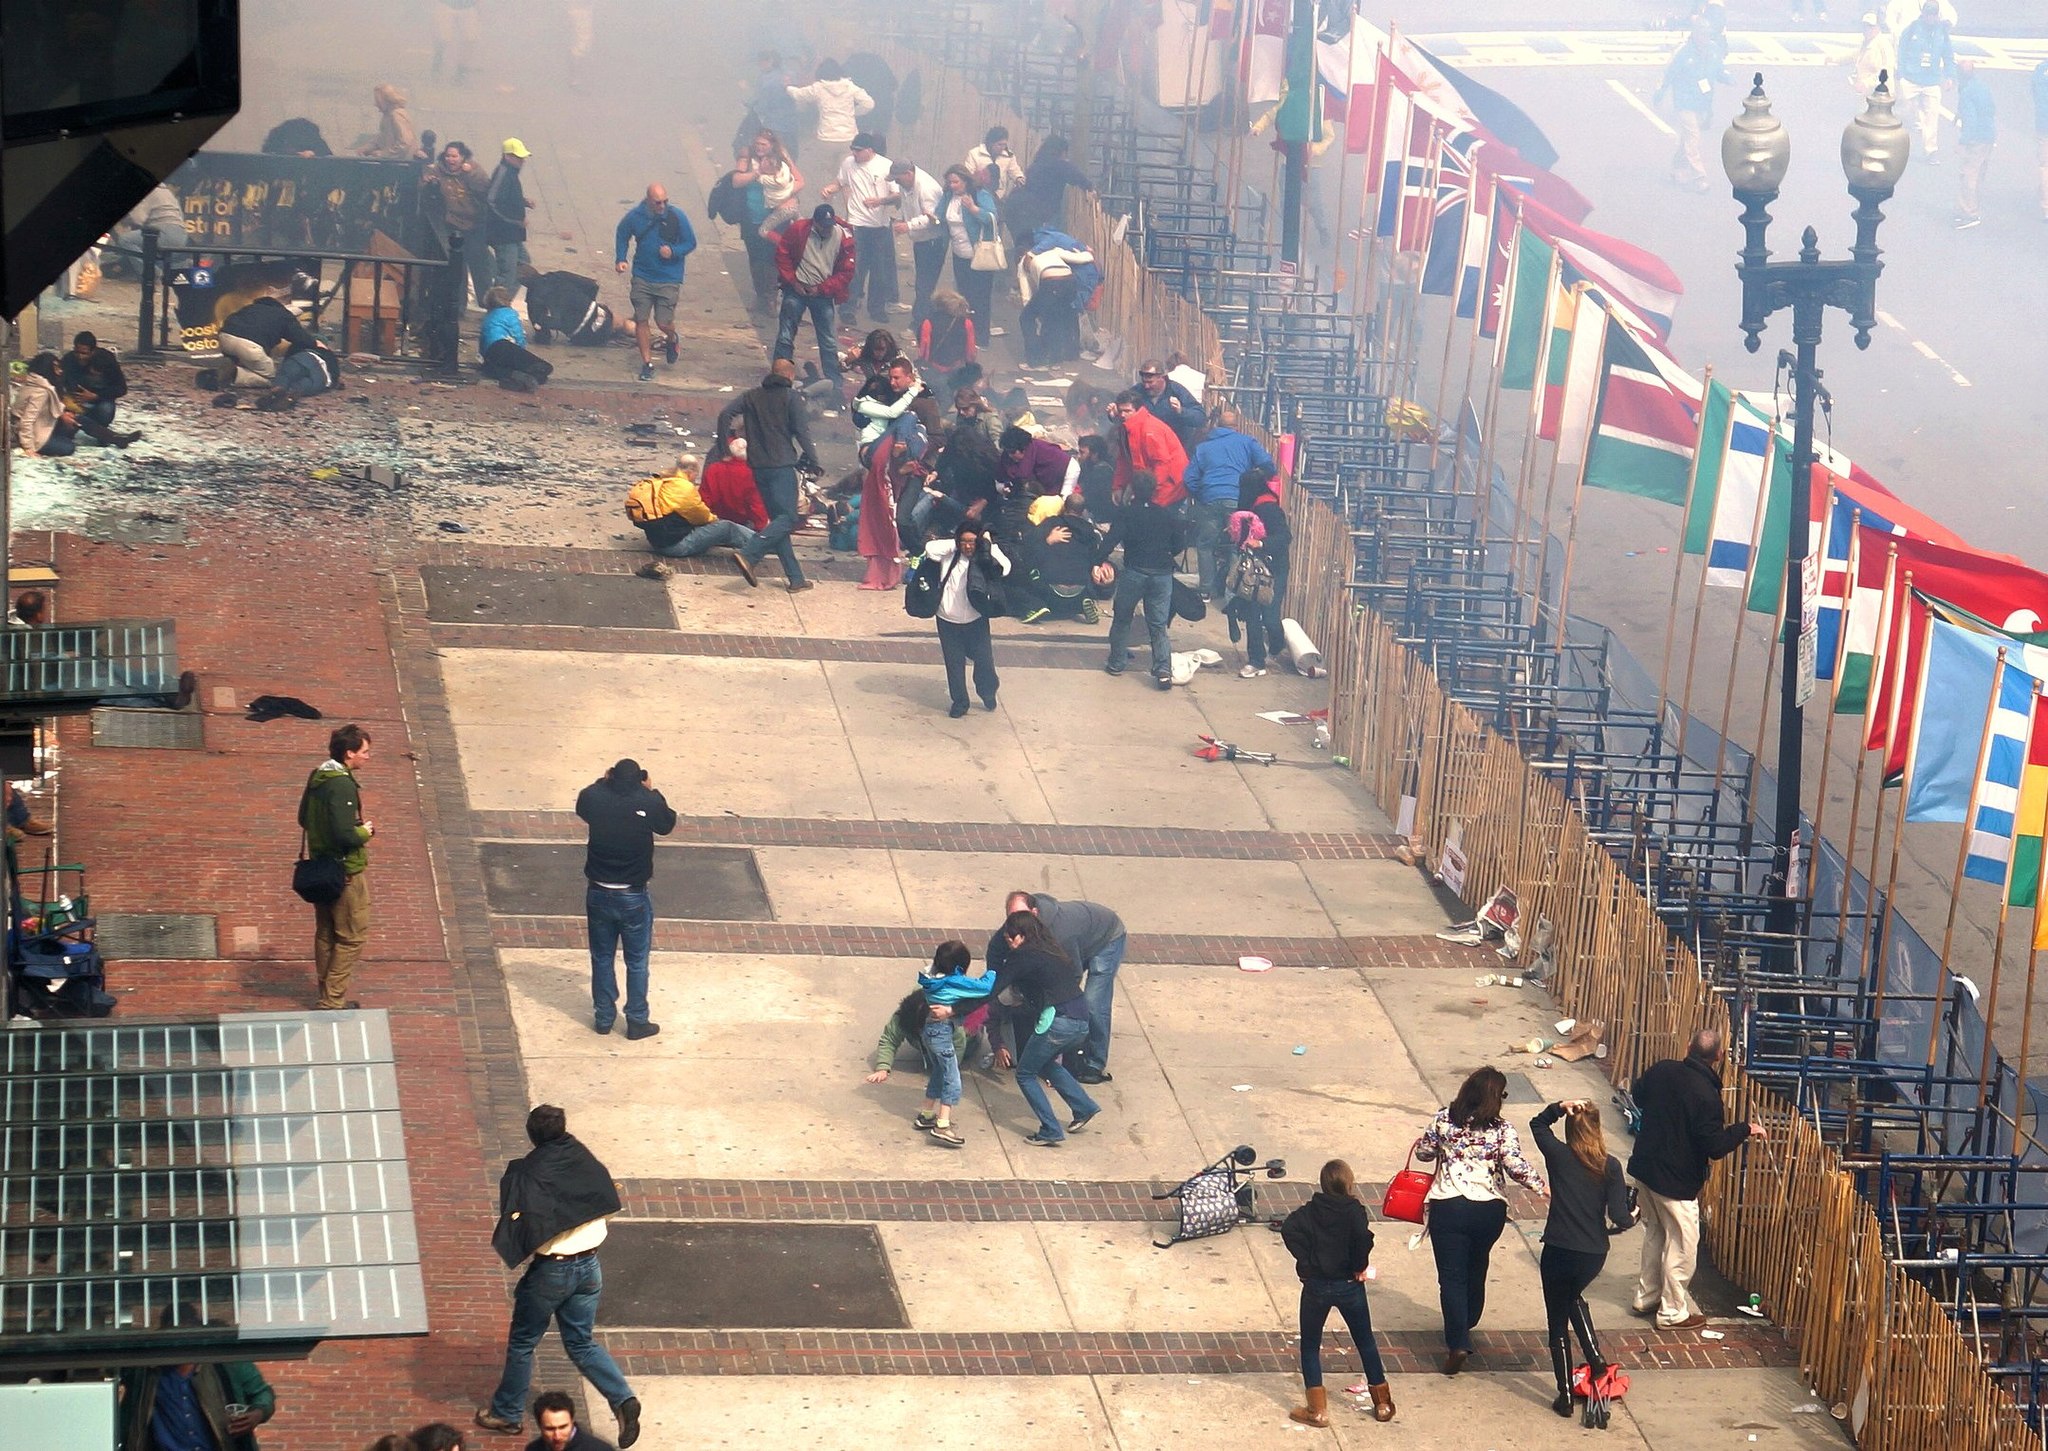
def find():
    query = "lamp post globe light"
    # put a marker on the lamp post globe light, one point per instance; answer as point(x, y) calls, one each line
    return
point(1756, 153)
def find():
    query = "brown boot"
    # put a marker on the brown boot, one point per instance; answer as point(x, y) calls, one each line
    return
point(1382, 1401)
point(1316, 1412)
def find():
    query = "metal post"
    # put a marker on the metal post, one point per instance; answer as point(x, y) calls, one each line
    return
point(1783, 918)
point(146, 332)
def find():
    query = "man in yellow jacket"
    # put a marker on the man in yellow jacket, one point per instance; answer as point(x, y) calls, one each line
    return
point(680, 525)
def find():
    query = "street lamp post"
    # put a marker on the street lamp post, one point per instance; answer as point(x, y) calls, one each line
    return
point(1756, 152)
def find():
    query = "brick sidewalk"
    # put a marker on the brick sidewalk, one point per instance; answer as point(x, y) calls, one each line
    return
point(214, 831)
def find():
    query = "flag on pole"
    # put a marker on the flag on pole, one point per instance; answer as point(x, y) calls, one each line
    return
point(1970, 729)
point(2001, 592)
point(1578, 393)
point(1638, 280)
point(2024, 885)
point(1262, 53)
point(1299, 121)
point(1502, 238)
point(1406, 204)
point(1742, 475)
point(1348, 66)
point(1530, 303)
point(1441, 263)
point(1648, 422)
point(1483, 105)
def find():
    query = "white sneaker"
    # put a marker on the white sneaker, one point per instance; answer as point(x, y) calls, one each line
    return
point(1251, 672)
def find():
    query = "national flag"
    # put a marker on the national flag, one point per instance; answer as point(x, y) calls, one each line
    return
point(1502, 237)
point(1529, 305)
point(1648, 423)
point(1393, 98)
point(2002, 592)
point(1741, 496)
point(1347, 66)
point(1971, 722)
point(1441, 264)
point(2024, 886)
point(1299, 121)
point(1406, 205)
point(1490, 109)
point(1843, 497)
point(1585, 350)
point(1262, 50)
point(1629, 276)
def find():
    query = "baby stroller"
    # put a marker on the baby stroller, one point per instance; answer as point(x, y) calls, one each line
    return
point(1217, 1199)
point(54, 968)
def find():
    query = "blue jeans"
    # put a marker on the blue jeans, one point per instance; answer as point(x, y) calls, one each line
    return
point(1462, 1234)
point(566, 1292)
point(942, 1068)
point(719, 533)
point(615, 918)
point(1211, 522)
point(506, 260)
point(1347, 1298)
point(822, 312)
point(1040, 1060)
point(1155, 592)
point(778, 497)
point(1101, 993)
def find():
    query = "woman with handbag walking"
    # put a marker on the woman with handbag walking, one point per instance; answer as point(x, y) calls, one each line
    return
point(1475, 1151)
point(1330, 1238)
point(970, 568)
point(968, 215)
point(1588, 1202)
point(1260, 533)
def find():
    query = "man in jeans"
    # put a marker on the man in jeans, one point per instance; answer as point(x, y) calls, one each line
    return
point(1151, 537)
point(625, 815)
point(778, 444)
point(814, 258)
point(1682, 1133)
point(553, 1205)
point(1094, 937)
point(331, 815)
point(869, 205)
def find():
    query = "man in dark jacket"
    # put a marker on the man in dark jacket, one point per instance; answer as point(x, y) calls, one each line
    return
point(1045, 986)
point(331, 815)
point(505, 207)
point(625, 815)
point(778, 444)
point(814, 258)
point(1094, 936)
point(92, 384)
point(175, 1407)
point(553, 1205)
point(1171, 403)
point(1151, 538)
point(555, 1413)
point(249, 340)
point(1683, 1131)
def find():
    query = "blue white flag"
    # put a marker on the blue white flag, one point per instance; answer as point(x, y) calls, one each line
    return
point(1957, 770)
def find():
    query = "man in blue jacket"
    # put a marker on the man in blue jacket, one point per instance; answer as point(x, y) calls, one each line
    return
point(661, 238)
point(1976, 134)
point(1216, 464)
point(1689, 81)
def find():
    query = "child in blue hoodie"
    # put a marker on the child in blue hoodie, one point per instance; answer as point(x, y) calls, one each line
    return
point(949, 987)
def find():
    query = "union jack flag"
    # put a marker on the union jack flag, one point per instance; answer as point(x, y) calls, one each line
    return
point(1454, 177)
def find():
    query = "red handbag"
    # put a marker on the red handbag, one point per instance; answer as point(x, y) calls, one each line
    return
point(1407, 1191)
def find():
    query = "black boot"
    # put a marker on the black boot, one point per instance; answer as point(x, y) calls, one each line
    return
point(1561, 1366)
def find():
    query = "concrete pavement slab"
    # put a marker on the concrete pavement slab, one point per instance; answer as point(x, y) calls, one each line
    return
point(817, 885)
point(1111, 1278)
point(756, 1413)
point(533, 734)
point(1725, 1408)
point(1226, 898)
point(953, 889)
point(1375, 898)
point(987, 1277)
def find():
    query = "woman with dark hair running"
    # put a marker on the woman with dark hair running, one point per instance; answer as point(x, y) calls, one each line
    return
point(971, 568)
point(1038, 979)
point(1588, 1202)
point(1476, 1152)
point(1330, 1238)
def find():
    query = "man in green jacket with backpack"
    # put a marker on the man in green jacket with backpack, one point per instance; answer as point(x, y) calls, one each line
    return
point(331, 814)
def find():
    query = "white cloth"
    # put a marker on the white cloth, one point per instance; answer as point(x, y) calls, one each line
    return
point(840, 105)
point(953, 606)
point(778, 186)
point(1047, 266)
point(1671, 1252)
point(587, 1235)
point(921, 206)
point(1878, 54)
point(868, 195)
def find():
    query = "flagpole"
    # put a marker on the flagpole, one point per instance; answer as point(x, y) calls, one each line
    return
point(1756, 534)
point(2027, 1004)
point(1523, 471)
point(1763, 712)
point(1997, 965)
point(1471, 364)
point(1343, 166)
point(1369, 231)
point(1827, 738)
point(1486, 443)
point(1891, 885)
point(1678, 572)
point(1571, 540)
point(1699, 608)
point(1955, 892)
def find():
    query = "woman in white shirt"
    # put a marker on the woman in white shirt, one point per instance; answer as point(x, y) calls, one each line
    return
point(971, 567)
point(1476, 1152)
point(968, 214)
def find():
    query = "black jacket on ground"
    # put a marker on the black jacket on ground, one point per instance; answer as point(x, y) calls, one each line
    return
point(1330, 1237)
point(1151, 537)
point(1683, 1129)
point(1583, 1210)
point(557, 1186)
point(267, 322)
point(778, 434)
point(623, 825)
point(560, 301)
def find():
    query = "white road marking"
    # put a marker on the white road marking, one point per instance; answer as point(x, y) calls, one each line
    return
point(1923, 350)
point(1641, 105)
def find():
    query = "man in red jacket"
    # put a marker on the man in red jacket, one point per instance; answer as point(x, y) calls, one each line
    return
point(1144, 443)
point(815, 261)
